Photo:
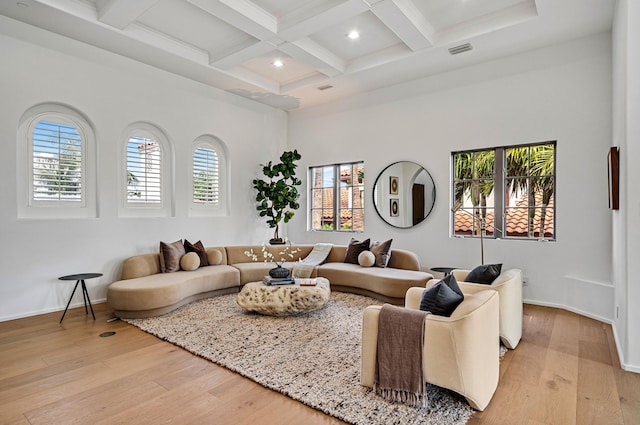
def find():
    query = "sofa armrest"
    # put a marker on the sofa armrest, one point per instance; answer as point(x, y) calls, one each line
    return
point(404, 259)
point(140, 266)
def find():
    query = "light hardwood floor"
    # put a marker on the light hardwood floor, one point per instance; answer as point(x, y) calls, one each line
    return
point(565, 371)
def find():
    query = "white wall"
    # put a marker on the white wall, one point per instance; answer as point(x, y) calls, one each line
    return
point(561, 93)
point(626, 221)
point(114, 92)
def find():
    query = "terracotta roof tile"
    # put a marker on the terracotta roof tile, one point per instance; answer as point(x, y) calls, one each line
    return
point(516, 221)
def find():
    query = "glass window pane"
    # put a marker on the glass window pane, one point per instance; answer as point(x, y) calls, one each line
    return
point(346, 175)
point(316, 177)
point(316, 220)
point(346, 222)
point(358, 220)
point(316, 198)
point(517, 222)
point(462, 165)
point(517, 162)
point(327, 177)
point(483, 164)
point(327, 219)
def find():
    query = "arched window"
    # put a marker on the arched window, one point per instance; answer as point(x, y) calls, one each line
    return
point(56, 164)
point(147, 172)
point(208, 182)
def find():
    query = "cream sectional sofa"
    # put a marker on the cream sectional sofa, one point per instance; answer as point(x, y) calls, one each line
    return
point(143, 291)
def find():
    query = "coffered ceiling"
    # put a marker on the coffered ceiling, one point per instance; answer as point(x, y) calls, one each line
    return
point(234, 44)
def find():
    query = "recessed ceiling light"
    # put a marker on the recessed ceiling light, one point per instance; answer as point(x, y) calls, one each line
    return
point(278, 63)
point(353, 35)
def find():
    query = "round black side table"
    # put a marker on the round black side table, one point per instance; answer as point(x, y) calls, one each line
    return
point(79, 278)
point(446, 270)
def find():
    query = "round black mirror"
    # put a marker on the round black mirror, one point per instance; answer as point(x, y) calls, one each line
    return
point(404, 194)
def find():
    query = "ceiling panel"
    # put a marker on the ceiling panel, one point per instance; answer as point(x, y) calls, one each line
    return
point(292, 70)
point(444, 14)
point(281, 8)
point(183, 21)
point(374, 36)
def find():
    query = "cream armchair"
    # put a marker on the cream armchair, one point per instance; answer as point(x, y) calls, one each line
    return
point(461, 352)
point(509, 286)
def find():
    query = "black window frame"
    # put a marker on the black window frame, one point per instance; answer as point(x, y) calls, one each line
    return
point(495, 229)
point(334, 189)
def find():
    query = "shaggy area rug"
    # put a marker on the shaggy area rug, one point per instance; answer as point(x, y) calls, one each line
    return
point(313, 358)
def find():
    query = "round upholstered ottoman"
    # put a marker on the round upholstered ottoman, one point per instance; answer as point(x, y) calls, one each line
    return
point(284, 300)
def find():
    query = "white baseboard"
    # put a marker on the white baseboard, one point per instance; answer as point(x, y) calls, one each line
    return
point(571, 309)
point(623, 364)
point(49, 310)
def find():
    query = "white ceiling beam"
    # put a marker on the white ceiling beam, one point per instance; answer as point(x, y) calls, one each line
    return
point(120, 13)
point(254, 79)
point(405, 20)
point(502, 18)
point(314, 55)
point(162, 41)
point(242, 14)
point(292, 31)
point(248, 52)
point(377, 59)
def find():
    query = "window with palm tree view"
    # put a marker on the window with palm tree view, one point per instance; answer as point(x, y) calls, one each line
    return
point(506, 192)
point(337, 197)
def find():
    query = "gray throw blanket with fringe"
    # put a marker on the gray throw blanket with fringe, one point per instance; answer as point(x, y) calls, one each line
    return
point(399, 374)
point(319, 253)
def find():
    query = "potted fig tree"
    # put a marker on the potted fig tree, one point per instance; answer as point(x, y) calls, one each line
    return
point(278, 195)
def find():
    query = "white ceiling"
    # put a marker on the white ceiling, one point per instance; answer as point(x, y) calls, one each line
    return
point(232, 44)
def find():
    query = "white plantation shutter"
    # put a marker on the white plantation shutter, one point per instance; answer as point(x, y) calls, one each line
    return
point(206, 177)
point(57, 163)
point(144, 170)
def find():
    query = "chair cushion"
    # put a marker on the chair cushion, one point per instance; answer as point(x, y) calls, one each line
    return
point(443, 297)
point(485, 274)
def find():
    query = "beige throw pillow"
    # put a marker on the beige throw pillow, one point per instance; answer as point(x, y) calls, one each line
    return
point(170, 255)
point(366, 259)
point(214, 257)
point(190, 261)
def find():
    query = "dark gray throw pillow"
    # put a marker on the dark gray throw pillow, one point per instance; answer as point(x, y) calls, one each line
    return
point(354, 249)
point(443, 297)
point(485, 274)
point(382, 252)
